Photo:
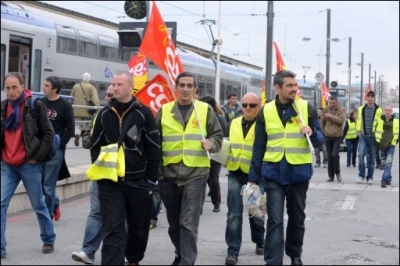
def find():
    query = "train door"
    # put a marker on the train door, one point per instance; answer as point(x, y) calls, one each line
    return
point(20, 57)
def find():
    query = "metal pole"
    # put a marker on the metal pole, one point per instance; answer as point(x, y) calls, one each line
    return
point(362, 73)
point(375, 81)
point(217, 67)
point(349, 85)
point(369, 75)
point(328, 46)
point(381, 92)
point(268, 66)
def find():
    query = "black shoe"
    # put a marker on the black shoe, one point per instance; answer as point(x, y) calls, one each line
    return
point(176, 260)
point(260, 249)
point(231, 260)
point(330, 179)
point(47, 248)
point(296, 261)
point(76, 142)
point(383, 184)
point(317, 166)
point(216, 208)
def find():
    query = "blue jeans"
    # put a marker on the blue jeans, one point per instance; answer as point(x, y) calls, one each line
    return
point(156, 204)
point(183, 205)
point(295, 196)
point(387, 160)
point(50, 178)
point(93, 233)
point(366, 145)
point(31, 176)
point(234, 221)
point(351, 147)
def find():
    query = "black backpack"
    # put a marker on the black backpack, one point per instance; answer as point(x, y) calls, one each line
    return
point(56, 138)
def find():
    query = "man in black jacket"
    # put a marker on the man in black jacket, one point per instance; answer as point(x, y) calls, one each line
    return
point(132, 195)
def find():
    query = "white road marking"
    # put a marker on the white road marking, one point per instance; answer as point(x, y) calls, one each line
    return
point(349, 202)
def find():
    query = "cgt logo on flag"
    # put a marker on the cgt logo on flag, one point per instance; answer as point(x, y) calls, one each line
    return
point(155, 93)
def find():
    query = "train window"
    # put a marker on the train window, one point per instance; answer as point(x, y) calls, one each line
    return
point(37, 67)
point(88, 44)
point(3, 65)
point(126, 55)
point(66, 86)
point(107, 48)
point(66, 39)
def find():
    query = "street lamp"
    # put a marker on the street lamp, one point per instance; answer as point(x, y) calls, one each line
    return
point(328, 55)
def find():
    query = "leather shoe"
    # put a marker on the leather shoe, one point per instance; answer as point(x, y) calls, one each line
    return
point(330, 179)
point(216, 208)
point(339, 178)
point(296, 261)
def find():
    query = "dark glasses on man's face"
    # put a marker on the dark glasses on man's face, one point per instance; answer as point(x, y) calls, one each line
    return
point(251, 105)
point(109, 95)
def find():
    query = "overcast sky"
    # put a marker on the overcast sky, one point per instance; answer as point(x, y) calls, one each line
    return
point(373, 27)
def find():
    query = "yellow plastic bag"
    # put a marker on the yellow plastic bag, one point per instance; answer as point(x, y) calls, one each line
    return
point(110, 164)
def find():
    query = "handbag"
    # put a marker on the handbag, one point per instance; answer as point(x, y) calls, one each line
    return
point(88, 102)
point(110, 164)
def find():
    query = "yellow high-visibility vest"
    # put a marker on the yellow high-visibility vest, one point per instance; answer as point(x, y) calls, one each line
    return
point(241, 149)
point(359, 122)
point(351, 131)
point(379, 131)
point(287, 140)
point(179, 144)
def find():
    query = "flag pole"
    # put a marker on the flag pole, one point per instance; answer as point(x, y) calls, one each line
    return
point(303, 124)
point(201, 129)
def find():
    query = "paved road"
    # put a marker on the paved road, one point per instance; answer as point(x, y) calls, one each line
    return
point(347, 223)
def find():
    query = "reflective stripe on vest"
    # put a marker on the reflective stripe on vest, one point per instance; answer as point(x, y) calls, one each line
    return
point(180, 144)
point(351, 131)
point(395, 128)
point(286, 140)
point(241, 149)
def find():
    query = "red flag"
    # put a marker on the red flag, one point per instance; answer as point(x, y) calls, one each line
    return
point(138, 69)
point(367, 89)
point(280, 65)
point(155, 93)
point(325, 95)
point(159, 47)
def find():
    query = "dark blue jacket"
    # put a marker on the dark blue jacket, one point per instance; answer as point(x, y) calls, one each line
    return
point(282, 172)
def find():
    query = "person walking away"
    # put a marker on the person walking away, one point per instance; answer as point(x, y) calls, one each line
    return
point(350, 135)
point(367, 121)
point(213, 178)
point(131, 197)
point(25, 142)
point(93, 235)
point(332, 122)
point(282, 157)
point(83, 92)
point(61, 116)
point(387, 135)
point(189, 130)
point(241, 136)
point(231, 108)
point(322, 148)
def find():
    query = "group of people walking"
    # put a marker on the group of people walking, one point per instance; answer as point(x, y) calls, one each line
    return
point(170, 153)
point(363, 132)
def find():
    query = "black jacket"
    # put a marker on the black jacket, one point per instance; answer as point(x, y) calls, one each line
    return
point(142, 141)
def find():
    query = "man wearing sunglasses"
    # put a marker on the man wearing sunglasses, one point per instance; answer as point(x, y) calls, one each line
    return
point(189, 131)
point(241, 136)
point(282, 158)
point(366, 124)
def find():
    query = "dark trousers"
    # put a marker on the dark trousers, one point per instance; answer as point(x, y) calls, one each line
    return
point(295, 196)
point(351, 146)
point(119, 202)
point(332, 148)
point(213, 180)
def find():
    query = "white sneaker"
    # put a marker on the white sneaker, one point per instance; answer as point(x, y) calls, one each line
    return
point(360, 180)
point(81, 257)
point(370, 181)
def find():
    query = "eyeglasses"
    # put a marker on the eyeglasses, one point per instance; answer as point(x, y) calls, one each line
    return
point(251, 105)
point(109, 95)
point(189, 85)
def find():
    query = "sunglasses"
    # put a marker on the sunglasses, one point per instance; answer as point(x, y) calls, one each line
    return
point(183, 85)
point(109, 95)
point(251, 105)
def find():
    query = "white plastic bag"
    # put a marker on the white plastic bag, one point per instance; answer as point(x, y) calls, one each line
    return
point(254, 203)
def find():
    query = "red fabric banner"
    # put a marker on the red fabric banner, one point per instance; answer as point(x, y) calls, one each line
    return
point(155, 93)
point(325, 95)
point(159, 47)
point(367, 89)
point(280, 65)
point(138, 69)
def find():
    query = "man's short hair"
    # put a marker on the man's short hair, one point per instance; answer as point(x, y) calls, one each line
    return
point(86, 76)
point(371, 93)
point(231, 94)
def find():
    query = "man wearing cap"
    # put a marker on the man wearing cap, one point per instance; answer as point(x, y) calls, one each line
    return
point(368, 115)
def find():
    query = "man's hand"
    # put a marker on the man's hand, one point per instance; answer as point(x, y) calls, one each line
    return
point(207, 145)
point(327, 115)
